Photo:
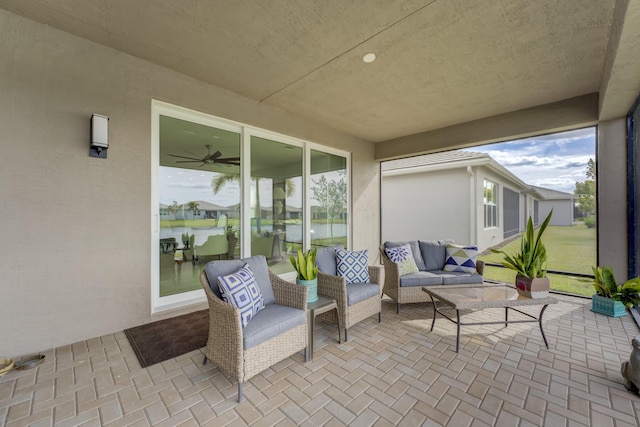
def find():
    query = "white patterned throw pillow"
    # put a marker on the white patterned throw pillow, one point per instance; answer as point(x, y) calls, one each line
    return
point(353, 265)
point(402, 256)
point(461, 258)
point(241, 290)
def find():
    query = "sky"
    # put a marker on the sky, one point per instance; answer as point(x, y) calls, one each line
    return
point(555, 161)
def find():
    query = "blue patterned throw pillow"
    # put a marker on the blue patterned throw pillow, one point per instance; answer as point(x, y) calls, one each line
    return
point(461, 258)
point(402, 256)
point(353, 265)
point(241, 290)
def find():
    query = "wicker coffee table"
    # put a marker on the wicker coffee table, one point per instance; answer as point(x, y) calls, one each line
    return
point(478, 297)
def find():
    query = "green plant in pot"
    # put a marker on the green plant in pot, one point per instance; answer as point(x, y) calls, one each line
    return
point(611, 298)
point(530, 263)
point(305, 266)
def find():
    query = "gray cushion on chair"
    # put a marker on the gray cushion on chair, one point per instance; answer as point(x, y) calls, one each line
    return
point(270, 322)
point(258, 265)
point(415, 251)
point(421, 278)
point(326, 260)
point(357, 292)
point(434, 253)
point(458, 278)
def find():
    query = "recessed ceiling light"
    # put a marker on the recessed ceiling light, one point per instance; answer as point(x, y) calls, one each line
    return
point(369, 57)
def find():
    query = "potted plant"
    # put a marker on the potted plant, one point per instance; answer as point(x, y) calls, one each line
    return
point(305, 266)
point(611, 298)
point(530, 263)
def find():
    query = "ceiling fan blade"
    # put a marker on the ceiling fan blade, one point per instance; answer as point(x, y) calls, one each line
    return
point(188, 161)
point(235, 159)
point(184, 157)
point(215, 155)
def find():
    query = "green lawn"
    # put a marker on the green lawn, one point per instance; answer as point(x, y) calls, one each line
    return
point(571, 249)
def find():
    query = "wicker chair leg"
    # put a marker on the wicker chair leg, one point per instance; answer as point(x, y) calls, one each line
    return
point(239, 392)
point(204, 361)
point(379, 317)
point(397, 308)
point(345, 335)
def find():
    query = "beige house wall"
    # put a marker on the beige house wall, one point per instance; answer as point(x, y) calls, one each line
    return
point(611, 173)
point(75, 261)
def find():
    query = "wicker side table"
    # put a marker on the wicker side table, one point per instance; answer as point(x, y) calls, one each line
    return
point(322, 305)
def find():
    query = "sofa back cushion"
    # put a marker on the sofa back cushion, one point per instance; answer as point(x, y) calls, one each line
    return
point(434, 253)
point(326, 259)
point(258, 265)
point(415, 251)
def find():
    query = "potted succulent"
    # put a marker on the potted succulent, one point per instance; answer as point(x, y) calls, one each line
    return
point(611, 298)
point(305, 266)
point(530, 264)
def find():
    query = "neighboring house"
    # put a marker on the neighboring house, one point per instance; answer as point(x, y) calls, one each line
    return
point(205, 210)
point(562, 204)
point(460, 195)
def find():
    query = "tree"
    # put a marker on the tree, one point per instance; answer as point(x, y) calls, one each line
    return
point(194, 208)
point(332, 196)
point(174, 208)
point(586, 191)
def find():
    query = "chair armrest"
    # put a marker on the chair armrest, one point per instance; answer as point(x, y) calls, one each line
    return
point(480, 267)
point(287, 293)
point(225, 337)
point(391, 271)
point(334, 287)
point(375, 273)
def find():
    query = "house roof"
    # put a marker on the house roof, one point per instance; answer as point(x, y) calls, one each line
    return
point(450, 160)
point(549, 194)
point(439, 63)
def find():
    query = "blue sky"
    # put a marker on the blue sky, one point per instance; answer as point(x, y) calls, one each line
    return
point(555, 161)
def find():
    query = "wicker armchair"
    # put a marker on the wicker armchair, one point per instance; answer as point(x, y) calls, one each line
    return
point(336, 288)
point(226, 346)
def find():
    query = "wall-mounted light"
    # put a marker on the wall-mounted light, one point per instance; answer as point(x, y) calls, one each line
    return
point(99, 136)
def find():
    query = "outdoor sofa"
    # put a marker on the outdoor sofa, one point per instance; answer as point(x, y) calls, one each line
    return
point(431, 259)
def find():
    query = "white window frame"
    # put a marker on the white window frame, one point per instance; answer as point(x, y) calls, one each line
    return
point(492, 220)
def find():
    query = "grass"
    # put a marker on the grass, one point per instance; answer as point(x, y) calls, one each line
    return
point(570, 249)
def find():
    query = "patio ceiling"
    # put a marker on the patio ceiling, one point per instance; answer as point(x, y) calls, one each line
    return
point(440, 63)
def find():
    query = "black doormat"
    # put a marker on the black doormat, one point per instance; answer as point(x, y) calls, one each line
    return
point(165, 339)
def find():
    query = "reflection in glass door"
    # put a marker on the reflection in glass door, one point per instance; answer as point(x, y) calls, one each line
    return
point(276, 187)
point(329, 213)
point(199, 201)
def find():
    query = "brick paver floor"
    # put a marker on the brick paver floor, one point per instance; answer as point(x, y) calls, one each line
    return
point(392, 373)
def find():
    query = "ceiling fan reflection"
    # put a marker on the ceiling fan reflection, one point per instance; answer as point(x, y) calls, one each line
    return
point(209, 159)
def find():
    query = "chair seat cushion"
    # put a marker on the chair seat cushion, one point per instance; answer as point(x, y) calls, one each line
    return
point(271, 321)
point(258, 265)
point(421, 278)
point(357, 292)
point(457, 278)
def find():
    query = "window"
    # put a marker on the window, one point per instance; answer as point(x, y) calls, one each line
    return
point(490, 204)
point(224, 190)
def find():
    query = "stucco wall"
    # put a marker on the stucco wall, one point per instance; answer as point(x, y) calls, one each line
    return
point(611, 170)
point(76, 231)
point(426, 206)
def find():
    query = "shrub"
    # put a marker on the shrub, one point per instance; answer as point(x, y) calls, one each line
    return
point(590, 222)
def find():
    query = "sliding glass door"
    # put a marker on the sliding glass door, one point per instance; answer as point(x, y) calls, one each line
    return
point(222, 190)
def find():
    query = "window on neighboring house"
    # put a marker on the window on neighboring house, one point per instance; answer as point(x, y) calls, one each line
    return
point(490, 204)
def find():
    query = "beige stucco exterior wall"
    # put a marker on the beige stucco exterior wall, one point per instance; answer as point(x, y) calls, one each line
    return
point(75, 260)
point(611, 172)
point(426, 206)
